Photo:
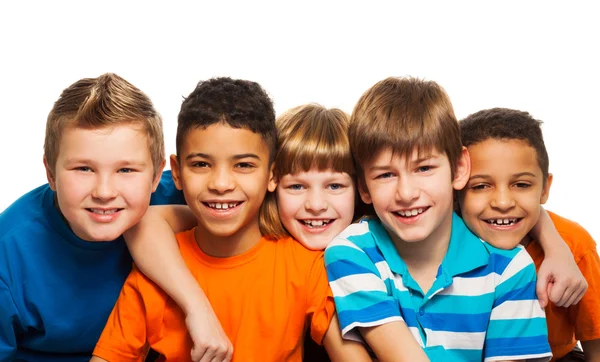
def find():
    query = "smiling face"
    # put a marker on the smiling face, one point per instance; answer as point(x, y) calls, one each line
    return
point(412, 196)
point(315, 206)
point(501, 202)
point(103, 179)
point(224, 173)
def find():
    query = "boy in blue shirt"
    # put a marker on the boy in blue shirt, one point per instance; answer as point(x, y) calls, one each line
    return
point(416, 264)
point(62, 258)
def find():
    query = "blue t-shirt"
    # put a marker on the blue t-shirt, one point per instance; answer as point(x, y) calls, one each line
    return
point(57, 290)
point(481, 307)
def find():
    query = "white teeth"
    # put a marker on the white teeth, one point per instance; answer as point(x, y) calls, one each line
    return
point(502, 221)
point(222, 205)
point(103, 212)
point(316, 223)
point(412, 212)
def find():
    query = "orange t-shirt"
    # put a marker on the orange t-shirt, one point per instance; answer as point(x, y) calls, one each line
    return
point(581, 321)
point(265, 300)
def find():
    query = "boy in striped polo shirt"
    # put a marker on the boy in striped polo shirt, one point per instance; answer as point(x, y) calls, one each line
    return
point(415, 263)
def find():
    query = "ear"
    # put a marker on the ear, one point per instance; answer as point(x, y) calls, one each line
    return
point(176, 172)
point(158, 174)
point(546, 190)
point(363, 191)
point(272, 180)
point(50, 175)
point(462, 171)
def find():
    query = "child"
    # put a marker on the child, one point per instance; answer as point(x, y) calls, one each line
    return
point(262, 290)
point(62, 258)
point(501, 203)
point(416, 262)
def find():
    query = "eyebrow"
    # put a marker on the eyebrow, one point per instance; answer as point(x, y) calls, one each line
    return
point(517, 175)
point(234, 157)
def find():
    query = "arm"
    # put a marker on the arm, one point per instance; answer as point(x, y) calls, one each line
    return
point(154, 249)
point(591, 350)
point(340, 349)
point(517, 326)
point(97, 359)
point(393, 342)
point(559, 278)
point(8, 318)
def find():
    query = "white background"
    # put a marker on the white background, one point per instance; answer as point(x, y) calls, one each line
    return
point(536, 56)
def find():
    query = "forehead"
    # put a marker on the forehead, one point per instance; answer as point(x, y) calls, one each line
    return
point(389, 156)
point(221, 140)
point(503, 156)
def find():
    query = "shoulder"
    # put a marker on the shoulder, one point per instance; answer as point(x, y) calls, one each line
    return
point(577, 238)
point(509, 262)
point(26, 215)
point(166, 192)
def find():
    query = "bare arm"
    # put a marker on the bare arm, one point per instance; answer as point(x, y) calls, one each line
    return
point(393, 342)
point(591, 350)
point(559, 279)
point(340, 349)
point(154, 249)
point(97, 359)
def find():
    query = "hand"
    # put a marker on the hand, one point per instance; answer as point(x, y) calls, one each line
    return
point(210, 341)
point(560, 281)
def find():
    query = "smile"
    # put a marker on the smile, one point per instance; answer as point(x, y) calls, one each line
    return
point(411, 212)
point(222, 205)
point(503, 222)
point(103, 211)
point(316, 223)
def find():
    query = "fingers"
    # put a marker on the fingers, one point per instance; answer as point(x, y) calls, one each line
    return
point(213, 353)
point(542, 289)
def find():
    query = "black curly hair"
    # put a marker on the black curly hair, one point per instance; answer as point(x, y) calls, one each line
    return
point(236, 102)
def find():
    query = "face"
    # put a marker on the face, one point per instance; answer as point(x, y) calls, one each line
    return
point(412, 196)
point(224, 173)
point(315, 206)
point(103, 180)
point(501, 202)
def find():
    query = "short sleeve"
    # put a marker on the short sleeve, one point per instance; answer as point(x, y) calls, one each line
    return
point(517, 328)
point(586, 314)
point(320, 301)
point(9, 319)
point(124, 336)
point(360, 292)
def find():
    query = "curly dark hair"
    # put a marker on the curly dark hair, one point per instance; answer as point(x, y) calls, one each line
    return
point(235, 102)
point(505, 124)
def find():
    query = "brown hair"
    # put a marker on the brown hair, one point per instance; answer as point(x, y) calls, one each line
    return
point(308, 136)
point(105, 101)
point(506, 124)
point(404, 114)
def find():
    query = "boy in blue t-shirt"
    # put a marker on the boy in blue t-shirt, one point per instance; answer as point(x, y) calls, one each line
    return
point(416, 264)
point(62, 258)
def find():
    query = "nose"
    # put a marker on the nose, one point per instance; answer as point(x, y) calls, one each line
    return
point(315, 201)
point(105, 188)
point(221, 181)
point(406, 189)
point(502, 199)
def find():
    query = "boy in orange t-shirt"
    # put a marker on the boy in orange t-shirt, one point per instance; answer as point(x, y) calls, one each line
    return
point(265, 293)
point(501, 204)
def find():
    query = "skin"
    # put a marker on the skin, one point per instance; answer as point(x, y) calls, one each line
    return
point(224, 173)
point(103, 179)
point(511, 190)
point(316, 197)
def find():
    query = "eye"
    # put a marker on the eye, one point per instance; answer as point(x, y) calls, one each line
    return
point(126, 170)
point(83, 169)
point(522, 185)
point(296, 187)
point(479, 187)
point(335, 186)
point(424, 168)
point(244, 165)
point(200, 164)
point(385, 175)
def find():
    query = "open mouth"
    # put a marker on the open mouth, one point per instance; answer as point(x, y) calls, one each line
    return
point(316, 224)
point(103, 211)
point(503, 221)
point(411, 212)
point(222, 205)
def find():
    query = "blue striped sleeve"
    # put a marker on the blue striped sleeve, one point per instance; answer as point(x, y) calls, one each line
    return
point(517, 328)
point(360, 293)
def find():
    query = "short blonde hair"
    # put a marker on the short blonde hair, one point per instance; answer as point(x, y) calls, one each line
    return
point(105, 101)
point(404, 114)
point(308, 136)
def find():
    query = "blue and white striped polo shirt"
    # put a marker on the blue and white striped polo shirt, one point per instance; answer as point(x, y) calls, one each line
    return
point(482, 305)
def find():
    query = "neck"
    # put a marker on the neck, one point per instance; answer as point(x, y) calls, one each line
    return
point(225, 246)
point(429, 252)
